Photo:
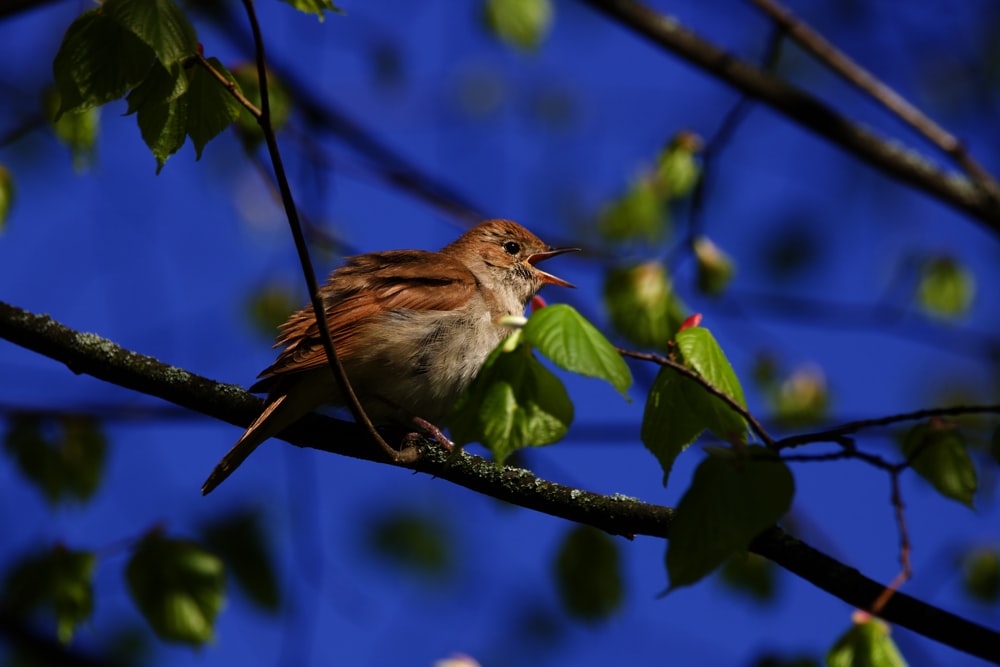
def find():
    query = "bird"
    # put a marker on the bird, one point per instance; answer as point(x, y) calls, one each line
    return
point(412, 329)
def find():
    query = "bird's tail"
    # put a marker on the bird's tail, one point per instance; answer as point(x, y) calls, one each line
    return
point(278, 414)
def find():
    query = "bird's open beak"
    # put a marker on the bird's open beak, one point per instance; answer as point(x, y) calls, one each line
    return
point(548, 277)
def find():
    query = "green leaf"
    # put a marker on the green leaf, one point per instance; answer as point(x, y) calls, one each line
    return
point(638, 215)
point(164, 128)
point(732, 499)
point(178, 586)
point(211, 108)
point(239, 540)
point(514, 402)
point(316, 7)
point(643, 305)
point(522, 24)
point(677, 167)
point(939, 455)
point(715, 268)
point(413, 541)
point(270, 305)
point(981, 573)
point(589, 574)
point(571, 342)
point(60, 581)
point(281, 102)
point(670, 424)
point(750, 574)
point(160, 24)
point(702, 353)
point(64, 459)
point(162, 86)
point(7, 195)
point(866, 644)
point(98, 61)
point(946, 288)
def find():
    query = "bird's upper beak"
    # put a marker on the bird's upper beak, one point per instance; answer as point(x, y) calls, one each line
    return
point(545, 254)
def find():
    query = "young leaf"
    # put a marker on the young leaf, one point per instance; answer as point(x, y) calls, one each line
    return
point(640, 214)
point(677, 168)
point(939, 455)
point(514, 402)
point(564, 336)
point(981, 573)
point(715, 268)
point(59, 580)
point(522, 24)
point(98, 61)
point(160, 24)
point(643, 305)
point(588, 574)
point(867, 643)
point(946, 288)
point(669, 423)
point(239, 540)
point(178, 586)
point(7, 193)
point(732, 498)
point(702, 353)
point(316, 7)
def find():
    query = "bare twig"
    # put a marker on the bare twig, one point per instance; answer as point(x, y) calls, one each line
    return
point(806, 110)
point(857, 75)
point(319, 309)
point(904, 549)
point(99, 357)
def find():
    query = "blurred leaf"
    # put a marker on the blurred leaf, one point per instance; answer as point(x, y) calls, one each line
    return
point(211, 108)
point(522, 24)
point(702, 353)
point(245, 75)
point(751, 574)
point(65, 462)
point(642, 304)
point(77, 130)
point(178, 586)
point(939, 455)
point(7, 195)
point(669, 423)
point(98, 61)
point(412, 541)
point(239, 540)
point(715, 268)
point(866, 644)
point(802, 398)
point(791, 250)
point(588, 574)
point(732, 498)
point(270, 307)
point(946, 288)
point(677, 167)
point(640, 214)
point(316, 7)
point(160, 24)
point(563, 335)
point(981, 574)
point(60, 581)
point(514, 402)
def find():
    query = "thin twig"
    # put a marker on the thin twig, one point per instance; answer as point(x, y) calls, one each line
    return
point(707, 386)
point(233, 89)
point(855, 74)
point(319, 309)
point(904, 549)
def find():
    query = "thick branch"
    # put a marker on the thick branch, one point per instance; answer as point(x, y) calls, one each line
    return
point(801, 107)
point(91, 354)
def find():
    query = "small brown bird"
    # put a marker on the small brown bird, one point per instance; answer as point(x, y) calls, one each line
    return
point(411, 328)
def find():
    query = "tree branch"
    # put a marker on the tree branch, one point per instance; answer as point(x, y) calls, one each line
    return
point(888, 156)
point(619, 515)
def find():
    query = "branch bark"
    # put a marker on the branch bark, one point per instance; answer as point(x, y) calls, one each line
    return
point(618, 515)
point(799, 106)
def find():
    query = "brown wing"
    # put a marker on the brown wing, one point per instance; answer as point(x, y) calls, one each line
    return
point(362, 289)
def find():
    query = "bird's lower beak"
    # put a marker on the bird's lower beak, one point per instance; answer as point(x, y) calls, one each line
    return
point(548, 277)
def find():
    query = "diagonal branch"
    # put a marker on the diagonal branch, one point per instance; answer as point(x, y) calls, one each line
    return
point(619, 515)
point(888, 156)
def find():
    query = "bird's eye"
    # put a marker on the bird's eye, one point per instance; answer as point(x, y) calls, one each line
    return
point(511, 247)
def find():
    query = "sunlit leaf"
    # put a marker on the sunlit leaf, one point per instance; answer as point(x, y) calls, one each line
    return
point(715, 268)
point(946, 288)
point(523, 24)
point(703, 354)
point(732, 498)
point(239, 540)
point(317, 7)
point(866, 644)
point(178, 586)
point(677, 167)
point(60, 581)
point(939, 455)
point(588, 574)
point(669, 423)
point(413, 541)
point(563, 335)
point(160, 24)
point(643, 305)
